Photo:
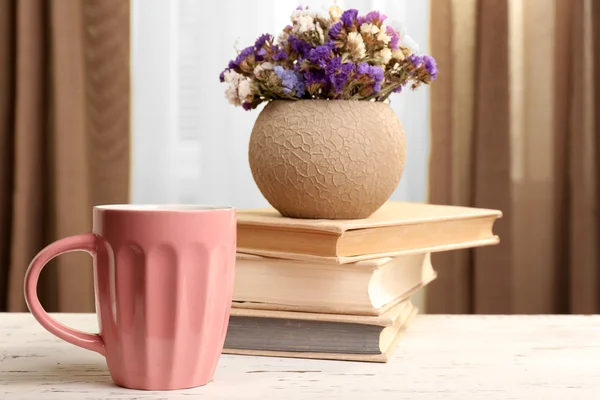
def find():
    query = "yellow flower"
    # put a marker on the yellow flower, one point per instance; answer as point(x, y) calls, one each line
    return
point(382, 36)
point(369, 28)
point(398, 54)
point(335, 12)
point(384, 56)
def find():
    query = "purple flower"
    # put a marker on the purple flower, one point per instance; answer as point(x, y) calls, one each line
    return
point(363, 68)
point(280, 55)
point(415, 60)
point(338, 73)
point(335, 30)
point(291, 80)
point(319, 55)
point(299, 46)
point(300, 88)
point(333, 65)
point(247, 52)
point(231, 66)
point(373, 16)
point(375, 73)
point(315, 76)
point(307, 66)
point(430, 66)
point(395, 37)
point(262, 39)
point(349, 16)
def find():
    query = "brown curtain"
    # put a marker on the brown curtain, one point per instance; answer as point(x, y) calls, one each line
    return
point(64, 137)
point(515, 120)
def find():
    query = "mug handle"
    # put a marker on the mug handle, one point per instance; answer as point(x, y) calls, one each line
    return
point(84, 242)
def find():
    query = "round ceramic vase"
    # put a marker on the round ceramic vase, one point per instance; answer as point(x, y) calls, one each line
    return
point(327, 159)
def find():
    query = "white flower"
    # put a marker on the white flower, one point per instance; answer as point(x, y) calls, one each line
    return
point(303, 13)
point(398, 55)
point(230, 76)
point(369, 28)
point(304, 21)
point(382, 36)
point(356, 45)
point(283, 37)
point(296, 14)
point(232, 91)
point(303, 24)
point(384, 56)
point(232, 95)
point(262, 67)
point(244, 89)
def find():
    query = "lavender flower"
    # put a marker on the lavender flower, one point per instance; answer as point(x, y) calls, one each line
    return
point(291, 80)
point(315, 76)
point(320, 55)
point(349, 16)
point(395, 38)
point(376, 73)
point(332, 66)
point(338, 74)
point(363, 68)
point(330, 44)
point(373, 72)
point(262, 39)
point(416, 60)
point(316, 83)
point(280, 55)
point(247, 52)
point(339, 56)
point(335, 30)
point(299, 46)
point(430, 66)
point(372, 17)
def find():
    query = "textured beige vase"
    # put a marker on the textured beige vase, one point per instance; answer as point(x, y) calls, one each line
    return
point(327, 159)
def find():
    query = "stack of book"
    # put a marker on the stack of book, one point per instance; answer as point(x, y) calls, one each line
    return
point(340, 289)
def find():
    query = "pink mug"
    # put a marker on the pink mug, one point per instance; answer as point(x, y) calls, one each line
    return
point(163, 277)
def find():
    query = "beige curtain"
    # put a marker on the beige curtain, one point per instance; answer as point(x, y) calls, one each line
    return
point(64, 136)
point(515, 120)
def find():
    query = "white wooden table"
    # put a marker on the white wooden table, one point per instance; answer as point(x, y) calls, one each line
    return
point(440, 357)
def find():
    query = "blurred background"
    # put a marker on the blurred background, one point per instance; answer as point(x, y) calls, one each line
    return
point(118, 101)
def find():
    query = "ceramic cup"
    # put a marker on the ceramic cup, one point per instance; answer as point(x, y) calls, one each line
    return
point(163, 278)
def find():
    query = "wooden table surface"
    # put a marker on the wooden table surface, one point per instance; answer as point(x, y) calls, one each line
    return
point(439, 357)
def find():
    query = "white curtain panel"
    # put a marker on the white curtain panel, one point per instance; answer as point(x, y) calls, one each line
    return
point(189, 144)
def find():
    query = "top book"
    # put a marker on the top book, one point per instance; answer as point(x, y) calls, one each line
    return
point(396, 228)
